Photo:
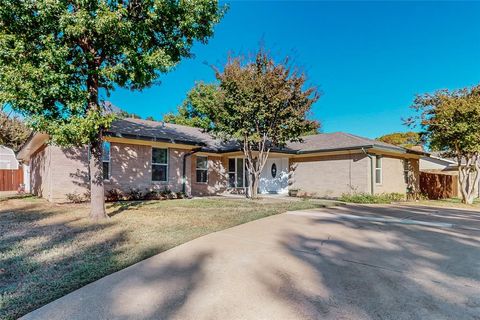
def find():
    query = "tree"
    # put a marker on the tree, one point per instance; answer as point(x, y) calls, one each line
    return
point(13, 131)
point(58, 57)
point(451, 124)
point(194, 111)
point(403, 139)
point(259, 103)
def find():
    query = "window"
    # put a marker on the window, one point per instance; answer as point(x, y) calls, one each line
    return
point(378, 170)
point(202, 169)
point(236, 173)
point(106, 161)
point(159, 164)
point(406, 171)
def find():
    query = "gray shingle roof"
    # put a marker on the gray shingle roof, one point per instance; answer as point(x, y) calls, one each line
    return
point(174, 133)
point(166, 132)
point(337, 141)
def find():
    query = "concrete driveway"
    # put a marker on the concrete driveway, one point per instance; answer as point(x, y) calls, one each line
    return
point(352, 262)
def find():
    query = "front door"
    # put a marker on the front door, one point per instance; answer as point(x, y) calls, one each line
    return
point(274, 176)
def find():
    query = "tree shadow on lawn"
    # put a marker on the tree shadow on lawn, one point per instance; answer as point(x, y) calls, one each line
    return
point(376, 270)
point(43, 257)
point(155, 288)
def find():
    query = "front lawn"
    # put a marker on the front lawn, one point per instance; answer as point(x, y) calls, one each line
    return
point(47, 250)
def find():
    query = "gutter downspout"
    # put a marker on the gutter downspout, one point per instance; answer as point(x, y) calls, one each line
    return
point(372, 172)
point(184, 177)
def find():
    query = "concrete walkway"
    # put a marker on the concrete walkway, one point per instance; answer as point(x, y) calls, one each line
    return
point(351, 262)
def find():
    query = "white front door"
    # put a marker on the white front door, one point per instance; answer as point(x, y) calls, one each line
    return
point(274, 176)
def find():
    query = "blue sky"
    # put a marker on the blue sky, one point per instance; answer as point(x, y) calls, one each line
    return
point(368, 59)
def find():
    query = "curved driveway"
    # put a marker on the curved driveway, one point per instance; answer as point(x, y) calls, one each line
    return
point(351, 262)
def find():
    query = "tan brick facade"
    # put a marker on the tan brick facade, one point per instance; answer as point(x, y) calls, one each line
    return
point(57, 172)
point(330, 176)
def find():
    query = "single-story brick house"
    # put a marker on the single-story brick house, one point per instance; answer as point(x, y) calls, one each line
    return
point(143, 155)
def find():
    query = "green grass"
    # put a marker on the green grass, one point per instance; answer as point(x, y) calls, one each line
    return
point(47, 251)
point(383, 198)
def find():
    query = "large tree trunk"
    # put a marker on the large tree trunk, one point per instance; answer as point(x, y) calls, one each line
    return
point(469, 175)
point(97, 193)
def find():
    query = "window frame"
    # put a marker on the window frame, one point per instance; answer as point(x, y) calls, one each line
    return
point(109, 161)
point(235, 173)
point(160, 164)
point(379, 169)
point(197, 169)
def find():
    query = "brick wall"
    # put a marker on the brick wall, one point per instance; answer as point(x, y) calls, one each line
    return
point(57, 172)
point(330, 176)
point(217, 177)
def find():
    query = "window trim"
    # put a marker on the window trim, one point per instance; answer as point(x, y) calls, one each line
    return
point(380, 168)
point(245, 173)
point(160, 164)
point(109, 159)
point(200, 169)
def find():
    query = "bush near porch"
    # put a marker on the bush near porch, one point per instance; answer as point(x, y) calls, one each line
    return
point(47, 250)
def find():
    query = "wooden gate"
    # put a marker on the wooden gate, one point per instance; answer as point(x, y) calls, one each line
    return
point(438, 186)
point(10, 180)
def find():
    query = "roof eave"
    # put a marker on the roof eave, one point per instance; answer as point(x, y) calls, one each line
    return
point(150, 138)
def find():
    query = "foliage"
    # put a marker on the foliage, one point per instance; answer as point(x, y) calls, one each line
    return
point(13, 131)
point(57, 57)
point(403, 139)
point(451, 124)
point(195, 110)
point(260, 103)
point(51, 52)
point(369, 198)
point(76, 197)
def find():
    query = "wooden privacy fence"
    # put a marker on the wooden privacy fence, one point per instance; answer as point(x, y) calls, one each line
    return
point(10, 180)
point(438, 186)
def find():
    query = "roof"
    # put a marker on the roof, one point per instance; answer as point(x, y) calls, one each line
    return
point(6, 151)
point(167, 132)
point(338, 141)
point(130, 128)
point(174, 133)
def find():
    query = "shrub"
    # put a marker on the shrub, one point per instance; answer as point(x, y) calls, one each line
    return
point(134, 195)
point(113, 195)
point(76, 197)
point(369, 198)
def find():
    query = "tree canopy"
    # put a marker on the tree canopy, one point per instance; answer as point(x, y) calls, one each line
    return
point(13, 131)
point(260, 103)
point(403, 139)
point(451, 124)
point(58, 57)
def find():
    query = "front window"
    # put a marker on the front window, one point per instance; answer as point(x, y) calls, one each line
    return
point(106, 160)
point(236, 173)
point(406, 171)
point(202, 169)
point(159, 164)
point(378, 170)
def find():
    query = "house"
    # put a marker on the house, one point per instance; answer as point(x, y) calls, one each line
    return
point(8, 161)
point(141, 154)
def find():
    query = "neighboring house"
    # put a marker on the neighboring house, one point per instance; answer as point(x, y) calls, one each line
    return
point(141, 154)
point(8, 161)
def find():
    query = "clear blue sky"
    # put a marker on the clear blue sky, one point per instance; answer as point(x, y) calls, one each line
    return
point(368, 59)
